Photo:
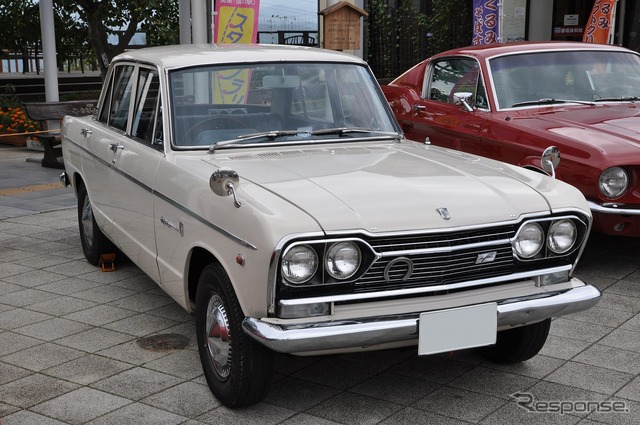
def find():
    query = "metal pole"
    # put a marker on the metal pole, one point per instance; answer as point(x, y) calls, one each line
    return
point(622, 16)
point(199, 21)
point(184, 18)
point(612, 24)
point(47, 30)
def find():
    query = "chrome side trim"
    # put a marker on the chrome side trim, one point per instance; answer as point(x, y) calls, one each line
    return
point(165, 198)
point(426, 289)
point(368, 332)
point(612, 210)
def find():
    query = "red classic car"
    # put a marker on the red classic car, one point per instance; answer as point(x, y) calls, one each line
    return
point(512, 101)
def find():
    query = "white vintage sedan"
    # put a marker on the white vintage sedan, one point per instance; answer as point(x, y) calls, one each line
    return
point(270, 191)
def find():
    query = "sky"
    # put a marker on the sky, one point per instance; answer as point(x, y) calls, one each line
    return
point(288, 14)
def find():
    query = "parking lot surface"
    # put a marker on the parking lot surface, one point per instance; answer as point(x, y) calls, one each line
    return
point(71, 351)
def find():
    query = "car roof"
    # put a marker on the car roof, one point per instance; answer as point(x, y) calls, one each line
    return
point(185, 55)
point(489, 50)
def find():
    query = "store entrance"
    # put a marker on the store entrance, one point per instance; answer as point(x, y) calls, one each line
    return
point(570, 18)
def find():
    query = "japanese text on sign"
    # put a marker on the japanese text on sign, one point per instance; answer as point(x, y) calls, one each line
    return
point(486, 29)
point(599, 24)
point(235, 22)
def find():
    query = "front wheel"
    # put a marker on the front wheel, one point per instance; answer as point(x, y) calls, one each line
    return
point(518, 344)
point(238, 369)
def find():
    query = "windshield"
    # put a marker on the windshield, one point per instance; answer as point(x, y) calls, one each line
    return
point(278, 102)
point(552, 77)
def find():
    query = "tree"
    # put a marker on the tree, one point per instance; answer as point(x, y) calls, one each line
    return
point(72, 40)
point(104, 18)
point(451, 23)
point(401, 36)
point(19, 28)
point(83, 26)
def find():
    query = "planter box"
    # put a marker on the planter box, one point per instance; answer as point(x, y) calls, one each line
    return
point(34, 144)
point(9, 138)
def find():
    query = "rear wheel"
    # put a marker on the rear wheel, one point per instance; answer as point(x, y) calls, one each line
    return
point(518, 344)
point(238, 369)
point(94, 242)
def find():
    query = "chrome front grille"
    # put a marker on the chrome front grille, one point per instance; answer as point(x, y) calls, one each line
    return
point(440, 240)
point(439, 259)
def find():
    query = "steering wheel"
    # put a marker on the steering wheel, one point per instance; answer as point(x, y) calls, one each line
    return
point(214, 122)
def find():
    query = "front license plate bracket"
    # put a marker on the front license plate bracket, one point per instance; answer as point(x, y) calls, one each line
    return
point(457, 328)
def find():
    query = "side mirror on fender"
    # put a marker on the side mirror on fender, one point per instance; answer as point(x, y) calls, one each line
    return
point(550, 160)
point(223, 182)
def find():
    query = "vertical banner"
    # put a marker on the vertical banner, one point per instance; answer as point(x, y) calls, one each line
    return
point(486, 17)
point(600, 24)
point(236, 21)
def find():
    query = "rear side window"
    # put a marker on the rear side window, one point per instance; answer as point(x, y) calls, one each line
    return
point(146, 105)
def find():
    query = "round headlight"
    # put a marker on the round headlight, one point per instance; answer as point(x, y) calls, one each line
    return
point(562, 236)
point(529, 240)
point(299, 264)
point(342, 260)
point(613, 182)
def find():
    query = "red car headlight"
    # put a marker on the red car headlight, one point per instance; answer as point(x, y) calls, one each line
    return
point(613, 182)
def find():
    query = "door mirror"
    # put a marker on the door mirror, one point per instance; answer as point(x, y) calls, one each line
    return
point(464, 98)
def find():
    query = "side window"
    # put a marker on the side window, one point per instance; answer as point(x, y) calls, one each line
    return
point(106, 106)
point(481, 96)
point(146, 105)
point(121, 97)
point(158, 131)
point(452, 76)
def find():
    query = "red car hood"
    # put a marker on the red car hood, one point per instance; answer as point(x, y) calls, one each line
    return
point(613, 130)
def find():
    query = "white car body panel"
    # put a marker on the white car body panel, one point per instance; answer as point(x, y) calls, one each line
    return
point(433, 229)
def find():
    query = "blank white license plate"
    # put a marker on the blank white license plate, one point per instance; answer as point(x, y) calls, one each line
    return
point(457, 328)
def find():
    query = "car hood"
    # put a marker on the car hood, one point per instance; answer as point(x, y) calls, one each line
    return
point(390, 187)
point(610, 129)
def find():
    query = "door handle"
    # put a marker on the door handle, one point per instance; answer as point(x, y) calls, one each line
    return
point(115, 146)
point(86, 132)
point(417, 108)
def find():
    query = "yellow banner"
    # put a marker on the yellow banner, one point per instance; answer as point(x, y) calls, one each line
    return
point(235, 22)
point(236, 25)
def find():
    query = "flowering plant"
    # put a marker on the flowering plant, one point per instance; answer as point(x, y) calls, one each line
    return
point(15, 118)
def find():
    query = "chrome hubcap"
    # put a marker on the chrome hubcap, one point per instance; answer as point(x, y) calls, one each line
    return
point(86, 219)
point(218, 337)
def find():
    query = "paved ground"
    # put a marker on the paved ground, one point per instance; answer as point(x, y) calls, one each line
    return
point(69, 352)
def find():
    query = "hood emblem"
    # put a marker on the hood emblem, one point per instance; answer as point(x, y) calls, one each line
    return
point(444, 213)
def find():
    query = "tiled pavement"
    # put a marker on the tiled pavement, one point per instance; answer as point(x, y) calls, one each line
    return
point(69, 351)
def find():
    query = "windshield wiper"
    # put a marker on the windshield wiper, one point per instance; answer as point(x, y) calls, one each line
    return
point(344, 130)
point(618, 99)
point(550, 101)
point(340, 130)
point(274, 134)
point(271, 134)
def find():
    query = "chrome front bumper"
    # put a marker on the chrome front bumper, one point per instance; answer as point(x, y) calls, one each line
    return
point(613, 209)
point(382, 330)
